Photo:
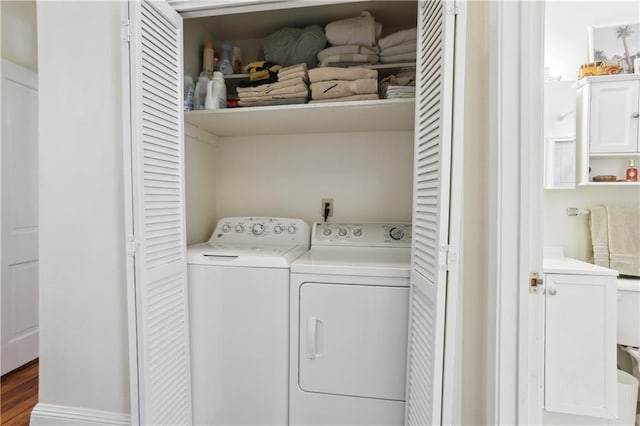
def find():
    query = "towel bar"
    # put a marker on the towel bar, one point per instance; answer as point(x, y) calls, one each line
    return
point(574, 211)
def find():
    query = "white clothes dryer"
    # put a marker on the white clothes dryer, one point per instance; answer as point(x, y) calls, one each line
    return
point(239, 320)
point(349, 313)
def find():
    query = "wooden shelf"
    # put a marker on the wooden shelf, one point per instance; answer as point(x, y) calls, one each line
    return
point(332, 117)
point(616, 155)
point(610, 184)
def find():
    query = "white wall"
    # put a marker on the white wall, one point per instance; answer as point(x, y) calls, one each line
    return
point(566, 47)
point(200, 184)
point(475, 216)
point(19, 44)
point(83, 309)
point(566, 30)
point(367, 174)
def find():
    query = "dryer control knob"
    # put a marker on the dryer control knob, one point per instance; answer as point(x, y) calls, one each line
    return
point(291, 229)
point(226, 228)
point(357, 232)
point(257, 229)
point(278, 229)
point(397, 233)
point(327, 232)
point(239, 228)
point(342, 232)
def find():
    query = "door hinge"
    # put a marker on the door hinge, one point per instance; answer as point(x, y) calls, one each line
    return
point(449, 258)
point(125, 34)
point(452, 9)
point(132, 246)
point(535, 282)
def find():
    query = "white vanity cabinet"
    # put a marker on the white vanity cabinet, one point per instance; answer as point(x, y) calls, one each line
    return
point(579, 339)
point(608, 125)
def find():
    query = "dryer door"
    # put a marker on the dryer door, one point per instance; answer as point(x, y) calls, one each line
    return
point(353, 340)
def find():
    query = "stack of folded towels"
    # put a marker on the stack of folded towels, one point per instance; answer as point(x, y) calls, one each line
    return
point(291, 87)
point(353, 42)
point(330, 84)
point(399, 85)
point(399, 46)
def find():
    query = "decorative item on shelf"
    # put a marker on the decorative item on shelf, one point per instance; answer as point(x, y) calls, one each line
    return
point(615, 44)
point(598, 68)
point(605, 178)
point(632, 172)
point(225, 65)
point(207, 59)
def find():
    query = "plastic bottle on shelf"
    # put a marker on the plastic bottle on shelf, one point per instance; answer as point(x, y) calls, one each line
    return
point(189, 91)
point(216, 92)
point(225, 65)
point(201, 91)
point(207, 59)
point(632, 172)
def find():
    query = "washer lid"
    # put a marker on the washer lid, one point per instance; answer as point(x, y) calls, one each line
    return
point(361, 261)
point(267, 256)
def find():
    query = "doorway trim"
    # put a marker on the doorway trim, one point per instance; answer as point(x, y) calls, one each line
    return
point(515, 199)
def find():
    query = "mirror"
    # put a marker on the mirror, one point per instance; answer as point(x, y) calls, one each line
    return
point(559, 134)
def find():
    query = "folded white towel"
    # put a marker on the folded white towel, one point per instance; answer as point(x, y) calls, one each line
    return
point(334, 73)
point(398, 38)
point(301, 94)
point(341, 88)
point(277, 85)
point(347, 99)
point(403, 57)
point(400, 48)
point(349, 48)
point(293, 69)
point(362, 30)
point(300, 74)
point(274, 91)
point(347, 59)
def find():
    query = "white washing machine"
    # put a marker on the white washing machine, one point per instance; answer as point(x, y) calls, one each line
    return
point(349, 313)
point(239, 320)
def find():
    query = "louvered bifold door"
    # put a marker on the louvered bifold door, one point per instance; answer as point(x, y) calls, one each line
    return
point(433, 130)
point(157, 204)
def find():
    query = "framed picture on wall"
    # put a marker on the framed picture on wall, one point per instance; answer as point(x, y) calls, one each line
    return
point(615, 44)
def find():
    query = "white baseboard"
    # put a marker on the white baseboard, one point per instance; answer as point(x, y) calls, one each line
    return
point(61, 415)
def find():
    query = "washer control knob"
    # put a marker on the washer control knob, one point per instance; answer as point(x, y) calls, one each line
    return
point(397, 233)
point(342, 232)
point(239, 228)
point(291, 229)
point(257, 229)
point(278, 229)
point(357, 232)
point(327, 232)
point(226, 228)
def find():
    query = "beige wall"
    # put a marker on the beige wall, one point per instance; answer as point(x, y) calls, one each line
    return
point(476, 220)
point(19, 44)
point(200, 184)
point(367, 174)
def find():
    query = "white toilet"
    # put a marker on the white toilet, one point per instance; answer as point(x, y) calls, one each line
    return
point(628, 337)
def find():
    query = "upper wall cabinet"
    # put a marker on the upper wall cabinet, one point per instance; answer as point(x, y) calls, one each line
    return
point(608, 126)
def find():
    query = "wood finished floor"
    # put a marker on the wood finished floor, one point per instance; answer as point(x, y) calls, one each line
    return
point(19, 394)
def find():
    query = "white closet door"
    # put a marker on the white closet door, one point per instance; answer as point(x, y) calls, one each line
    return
point(434, 109)
point(158, 274)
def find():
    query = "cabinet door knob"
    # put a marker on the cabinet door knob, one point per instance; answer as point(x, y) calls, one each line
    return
point(635, 114)
point(552, 292)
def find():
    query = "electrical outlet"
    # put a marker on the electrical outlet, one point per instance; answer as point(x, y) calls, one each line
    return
point(326, 201)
